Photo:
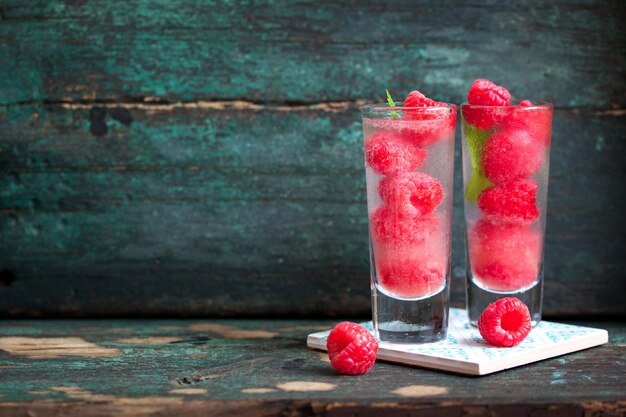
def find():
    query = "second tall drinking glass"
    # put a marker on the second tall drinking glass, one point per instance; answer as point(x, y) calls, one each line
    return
point(409, 163)
point(505, 172)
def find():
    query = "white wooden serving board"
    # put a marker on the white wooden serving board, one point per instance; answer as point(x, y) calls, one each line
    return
point(464, 351)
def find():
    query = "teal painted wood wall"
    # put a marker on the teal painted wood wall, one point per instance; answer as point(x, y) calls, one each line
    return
point(204, 158)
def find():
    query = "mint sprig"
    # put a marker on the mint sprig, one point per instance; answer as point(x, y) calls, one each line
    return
point(476, 139)
point(394, 114)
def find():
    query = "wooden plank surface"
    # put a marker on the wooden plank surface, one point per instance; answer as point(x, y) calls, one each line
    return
point(568, 52)
point(262, 367)
point(169, 158)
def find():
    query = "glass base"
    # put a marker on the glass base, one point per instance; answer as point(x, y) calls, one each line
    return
point(422, 320)
point(478, 298)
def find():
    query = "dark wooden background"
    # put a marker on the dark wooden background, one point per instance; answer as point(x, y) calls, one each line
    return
point(184, 158)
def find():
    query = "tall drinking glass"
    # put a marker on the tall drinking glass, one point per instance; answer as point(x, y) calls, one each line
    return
point(506, 154)
point(409, 164)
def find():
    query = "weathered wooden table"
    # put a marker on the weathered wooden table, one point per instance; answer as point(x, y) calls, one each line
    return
point(263, 368)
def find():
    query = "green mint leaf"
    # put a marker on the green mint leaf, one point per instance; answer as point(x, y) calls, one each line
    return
point(394, 114)
point(389, 99)
point(476, 139)
point(477, 183)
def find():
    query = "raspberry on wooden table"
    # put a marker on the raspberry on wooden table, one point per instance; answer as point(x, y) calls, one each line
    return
point(389, 154)
point(351, 348)
point(505, 322)
point(513, 202)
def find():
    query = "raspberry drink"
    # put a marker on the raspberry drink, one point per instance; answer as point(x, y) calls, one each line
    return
point(506, 151)
point(409, 156)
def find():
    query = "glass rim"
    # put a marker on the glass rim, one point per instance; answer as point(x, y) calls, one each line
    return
point(386, 107)
point(541, 105)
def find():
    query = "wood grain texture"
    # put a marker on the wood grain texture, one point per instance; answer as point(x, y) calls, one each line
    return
point(182, 369)
point(567, 52)
point(196, 211)
point(150, 406)
point(169, 158)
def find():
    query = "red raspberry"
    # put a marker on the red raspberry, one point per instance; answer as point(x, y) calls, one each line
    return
point(481, 117)
point(505, 323)
point(485, 93)
point(414, 193)
point(391, 226)
point(351, 348)
point(421, 127)
point(426, 132)
point(537, 121)
point(412, 272)
point(513, 202)
point(388, 154)
point(510, 155)
point(417, 99)
point(504, 257)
